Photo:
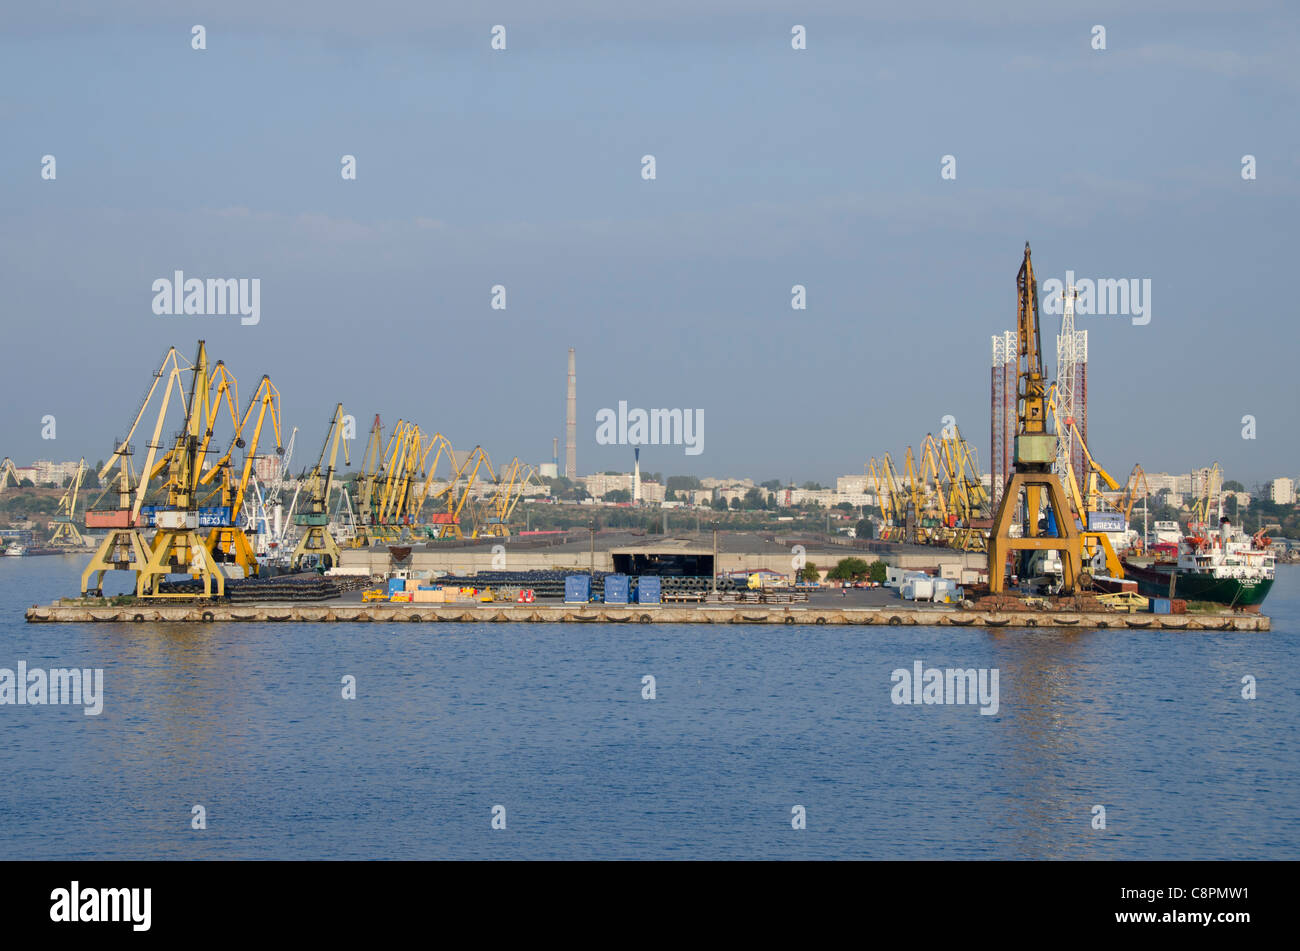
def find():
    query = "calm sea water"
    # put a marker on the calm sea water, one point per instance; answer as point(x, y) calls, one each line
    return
point(549, 722)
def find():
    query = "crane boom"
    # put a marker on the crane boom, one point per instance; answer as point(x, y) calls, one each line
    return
point(317, 542)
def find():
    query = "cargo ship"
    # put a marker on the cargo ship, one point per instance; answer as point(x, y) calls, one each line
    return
point(1222, 567)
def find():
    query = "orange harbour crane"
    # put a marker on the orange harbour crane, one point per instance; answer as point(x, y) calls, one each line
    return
point(1033, 456)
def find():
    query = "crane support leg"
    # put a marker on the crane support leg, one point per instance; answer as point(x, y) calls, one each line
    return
point(230, 545)
point(317, 542)
point(177, 551)
point(1091, 542)
point(122, 549)
point(1068, 543)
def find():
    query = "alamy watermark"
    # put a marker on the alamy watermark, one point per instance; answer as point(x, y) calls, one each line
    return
point(59, 686)
point(655, 427)
point(1104, 297)
point(951, 685)
point(77, 903)
point(214, 297)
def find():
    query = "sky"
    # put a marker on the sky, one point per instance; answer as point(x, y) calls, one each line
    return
point(774, 167)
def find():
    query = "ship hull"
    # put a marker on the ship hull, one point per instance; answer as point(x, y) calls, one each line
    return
point(1153, 582)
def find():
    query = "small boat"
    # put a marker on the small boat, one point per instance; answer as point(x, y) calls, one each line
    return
point(1220, 566)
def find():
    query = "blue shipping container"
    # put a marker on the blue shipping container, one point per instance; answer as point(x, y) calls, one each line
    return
point(1161, 606)
point(210, 516)
point(577, 589)
point(617, 589)
point(1105, 521)
point(648, 590)
point(213, 516)
point(395, 585)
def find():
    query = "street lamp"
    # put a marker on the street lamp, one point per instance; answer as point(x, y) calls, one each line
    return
point(715, 559)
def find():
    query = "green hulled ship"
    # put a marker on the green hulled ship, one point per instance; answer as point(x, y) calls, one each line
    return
point(1222, 567)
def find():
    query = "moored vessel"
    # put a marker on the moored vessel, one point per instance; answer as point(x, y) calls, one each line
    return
point(1221, 566)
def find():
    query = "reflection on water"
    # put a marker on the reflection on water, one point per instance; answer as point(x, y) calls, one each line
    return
point(248, 720)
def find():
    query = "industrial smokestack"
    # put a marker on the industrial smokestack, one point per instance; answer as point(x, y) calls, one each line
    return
point(555, 451)
point(636, 476)
point(571, 424)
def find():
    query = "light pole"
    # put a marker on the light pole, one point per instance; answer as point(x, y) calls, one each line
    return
point(715, 559)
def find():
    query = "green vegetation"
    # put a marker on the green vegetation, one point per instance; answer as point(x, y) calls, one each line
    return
point(1263, 512)
point(857, 569)
point(848, 569)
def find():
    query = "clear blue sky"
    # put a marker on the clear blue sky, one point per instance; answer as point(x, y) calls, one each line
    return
point(775, 167)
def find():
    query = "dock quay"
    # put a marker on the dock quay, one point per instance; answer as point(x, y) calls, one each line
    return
point(742, 613)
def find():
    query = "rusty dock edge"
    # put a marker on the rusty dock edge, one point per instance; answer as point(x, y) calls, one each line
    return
point(640, 614)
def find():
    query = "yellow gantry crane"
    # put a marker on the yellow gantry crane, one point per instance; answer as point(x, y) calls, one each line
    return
point(397, 460)
point(1086, 497)
point(177, 547)
point(914, 498)
point(1206, 501)
point(936, 522)
point(7, 472)
point(227, 541)
point(938, 498)
point(1135, 488)
point(1091, 541)
point(439, 445)
point(1034, 454)
point(968, 499)
point(411, 455)
point(124, 547)
point(447, 523)
point(65, 532)
point(367, 487)
point(888, 495)
point(317, 543)
point(492, 518)
point(884, 498)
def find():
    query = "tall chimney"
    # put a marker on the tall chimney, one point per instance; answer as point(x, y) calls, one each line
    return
point(571, 424)
point(636, 476)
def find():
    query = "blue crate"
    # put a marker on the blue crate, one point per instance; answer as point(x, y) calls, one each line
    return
point(618, 589)
point(577, 589)
point(648, 590)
